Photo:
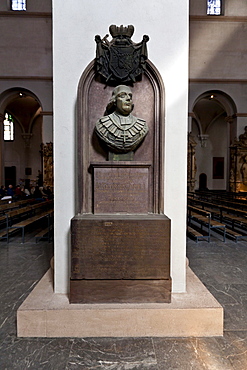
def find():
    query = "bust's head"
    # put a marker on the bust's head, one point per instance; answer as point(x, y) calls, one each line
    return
point(121, 101)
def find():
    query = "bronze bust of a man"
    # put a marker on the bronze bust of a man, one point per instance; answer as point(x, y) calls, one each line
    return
point(120, 130)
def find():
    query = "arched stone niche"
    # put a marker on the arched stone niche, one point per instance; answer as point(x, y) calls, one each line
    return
point(148, 98)
point(120, 238)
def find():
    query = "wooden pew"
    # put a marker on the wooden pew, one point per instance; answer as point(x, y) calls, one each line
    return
point(231, 213)
point(203, 218)
point(23, 217)
point(47, 232)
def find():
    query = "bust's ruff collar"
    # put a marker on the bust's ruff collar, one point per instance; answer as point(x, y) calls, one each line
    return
point(123, 122)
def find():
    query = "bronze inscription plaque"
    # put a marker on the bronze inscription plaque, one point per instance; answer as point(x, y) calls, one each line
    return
point(121, 248)
point(121, 190)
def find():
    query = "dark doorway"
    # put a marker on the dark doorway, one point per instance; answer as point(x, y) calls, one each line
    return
point(218, 167)
point(203, 182)
point(10, 176)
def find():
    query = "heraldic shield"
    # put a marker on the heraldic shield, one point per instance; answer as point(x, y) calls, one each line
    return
point(120, 60)
point(124, 62)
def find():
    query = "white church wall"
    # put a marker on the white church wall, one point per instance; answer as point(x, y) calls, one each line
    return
point(235, 8)
point(13, 154)
point(236, 91)
point(18, 154)
point(41, 88)
point(43, 91)
point(230, 8)
point(218, 49)
point(75, 25)
point(47, 133)
point(218, 54)
point(33, 152)
point(39, 6)
point(32, 5)
point(27, 54)
point(24, 55)
point(216, 146)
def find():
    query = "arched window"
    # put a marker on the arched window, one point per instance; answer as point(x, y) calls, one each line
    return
point(8, 128)
point(18, 5)
point(214, 7)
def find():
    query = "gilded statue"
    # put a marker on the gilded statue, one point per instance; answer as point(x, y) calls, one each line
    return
point(243, 137)
point(120, 130)
point(243, 168)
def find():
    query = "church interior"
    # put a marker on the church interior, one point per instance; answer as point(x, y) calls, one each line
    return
point(216, 190)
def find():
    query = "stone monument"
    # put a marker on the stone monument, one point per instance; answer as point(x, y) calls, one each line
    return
point(120, 238)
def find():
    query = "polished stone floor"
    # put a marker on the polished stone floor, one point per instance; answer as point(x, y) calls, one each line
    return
point(222, 267)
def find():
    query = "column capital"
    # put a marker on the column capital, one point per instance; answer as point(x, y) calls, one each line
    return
point(203, 139)
point(27, 137)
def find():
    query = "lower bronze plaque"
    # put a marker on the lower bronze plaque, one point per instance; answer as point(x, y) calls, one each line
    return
point(130, 253)
point(120, 247)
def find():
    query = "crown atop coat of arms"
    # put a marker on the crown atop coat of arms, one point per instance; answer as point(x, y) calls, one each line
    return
point(120, 60)
point(116, 31)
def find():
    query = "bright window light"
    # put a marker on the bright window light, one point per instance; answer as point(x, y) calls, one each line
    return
point(8, 128)
point(18, 5)
point(214, 7)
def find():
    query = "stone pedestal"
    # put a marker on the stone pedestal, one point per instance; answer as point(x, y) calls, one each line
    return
point(195, 313)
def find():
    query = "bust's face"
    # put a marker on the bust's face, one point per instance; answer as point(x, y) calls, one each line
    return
point(124, 101)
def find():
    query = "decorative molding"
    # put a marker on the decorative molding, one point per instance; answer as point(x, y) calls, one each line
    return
point(25, 14)
point(241, 114)
point(27, 138)
point(46, 113)
point(203, 139)
point(230, 119)
point(31, 78)
point(217, 80)
point(217, 18)
point(192, 18)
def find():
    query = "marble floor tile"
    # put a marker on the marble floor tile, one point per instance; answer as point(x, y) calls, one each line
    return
point(233, 346)
point(222, 267)
point(190, 354)
point(36, 353)
point(113, 353)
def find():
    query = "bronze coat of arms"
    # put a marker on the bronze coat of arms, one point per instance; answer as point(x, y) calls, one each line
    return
point(120, 60)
